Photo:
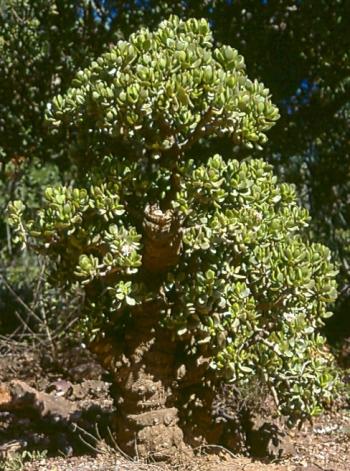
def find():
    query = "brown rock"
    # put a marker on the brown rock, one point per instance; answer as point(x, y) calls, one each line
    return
point(267, 438)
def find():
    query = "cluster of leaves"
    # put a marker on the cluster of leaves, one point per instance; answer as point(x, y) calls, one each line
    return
point(42, 44)
point(309, 77)
point(21, 179)
point(160, 91)
point(250, 286)
point(249, 289)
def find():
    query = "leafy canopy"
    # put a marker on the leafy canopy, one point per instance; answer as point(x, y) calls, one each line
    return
point(161, 91)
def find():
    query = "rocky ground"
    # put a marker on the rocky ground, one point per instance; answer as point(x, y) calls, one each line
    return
point(77, 437)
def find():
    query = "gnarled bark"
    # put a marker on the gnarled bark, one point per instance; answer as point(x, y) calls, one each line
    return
point(162, 239)
point(143, 372)
point(162, 402)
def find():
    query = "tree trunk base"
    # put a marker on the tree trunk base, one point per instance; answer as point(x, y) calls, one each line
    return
point(143, 368)
point(158, 436)
point(160, 411)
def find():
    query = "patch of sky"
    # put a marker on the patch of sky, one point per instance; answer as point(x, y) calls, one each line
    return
point(105, 12)
point(301, 97)
point(113, 13)
point(142, 3)
point(80, 12)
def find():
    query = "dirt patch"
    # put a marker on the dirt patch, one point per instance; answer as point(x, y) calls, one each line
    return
point(110, 463)
point(323, 445)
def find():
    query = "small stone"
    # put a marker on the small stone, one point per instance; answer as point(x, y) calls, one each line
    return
point(307, 468)
point(61, 388)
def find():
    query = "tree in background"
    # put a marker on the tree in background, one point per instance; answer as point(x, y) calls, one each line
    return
point(42, 44)
point(194, 269)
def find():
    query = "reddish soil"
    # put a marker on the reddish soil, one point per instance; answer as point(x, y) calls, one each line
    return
point(323, 445)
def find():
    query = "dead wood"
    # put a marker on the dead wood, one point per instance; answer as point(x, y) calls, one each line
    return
point(18, 396)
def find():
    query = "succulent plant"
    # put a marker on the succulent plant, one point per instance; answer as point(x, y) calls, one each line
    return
point(211, 253)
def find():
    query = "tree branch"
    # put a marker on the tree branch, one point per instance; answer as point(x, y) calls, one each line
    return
point(198, 131)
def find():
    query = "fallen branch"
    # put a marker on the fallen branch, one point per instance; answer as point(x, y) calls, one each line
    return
point(18, 396)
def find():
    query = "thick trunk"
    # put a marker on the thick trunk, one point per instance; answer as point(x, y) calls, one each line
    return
point(197, 390)
point(162, 403)
point(143, 371)
point(162, 240)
